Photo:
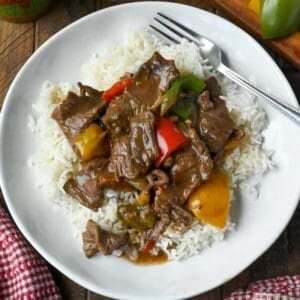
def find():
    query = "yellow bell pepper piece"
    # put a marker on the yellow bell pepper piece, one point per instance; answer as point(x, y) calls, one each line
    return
point(255, 5)
point(210, 203)
point(143, 198)
point(89, 142)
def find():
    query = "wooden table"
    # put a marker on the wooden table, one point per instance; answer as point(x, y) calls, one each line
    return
point(19, 41)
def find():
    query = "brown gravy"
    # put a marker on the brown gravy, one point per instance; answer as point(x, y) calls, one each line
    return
point(147, 259)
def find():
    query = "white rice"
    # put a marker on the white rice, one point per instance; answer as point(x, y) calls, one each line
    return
point(54, 159)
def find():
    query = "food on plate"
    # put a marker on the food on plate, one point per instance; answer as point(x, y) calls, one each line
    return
point(210, 203)
point(146, 157)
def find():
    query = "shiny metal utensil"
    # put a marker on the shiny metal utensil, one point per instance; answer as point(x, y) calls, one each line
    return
point(214, 54)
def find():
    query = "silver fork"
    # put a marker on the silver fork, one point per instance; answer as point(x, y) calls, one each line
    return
point(214, 55)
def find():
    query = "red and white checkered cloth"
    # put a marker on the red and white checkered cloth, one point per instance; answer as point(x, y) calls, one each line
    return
point(25, 276)
point(23, 273)
point(280, 288)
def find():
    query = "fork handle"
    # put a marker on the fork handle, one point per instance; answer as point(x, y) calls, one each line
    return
point(288, 110)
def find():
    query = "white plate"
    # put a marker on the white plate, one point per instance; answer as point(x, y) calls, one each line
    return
point(259, 222)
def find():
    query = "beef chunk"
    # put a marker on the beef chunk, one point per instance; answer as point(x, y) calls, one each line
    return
point(98, 167)
point(167, 209)
point(205, 162)
point(88, 91)
point(118, 114)
point(85, 187)
point(76, 113)
point(162, 200)
point(181, 216)
point(88, 184)
point(152, 79)
point(213, 87)
point(89, 244)
point(192, 165)
point(133, 154)
point(109, 180)
point(215, 125)
point(93, 165)
point(160, 226)
point(185, 174)
point(96, 240)
point(143, 140)
point(86, 193)
point(205, 102)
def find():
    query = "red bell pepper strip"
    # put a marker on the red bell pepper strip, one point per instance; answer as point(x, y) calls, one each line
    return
point(116, 89)
point(149, 245)
point(169, 139)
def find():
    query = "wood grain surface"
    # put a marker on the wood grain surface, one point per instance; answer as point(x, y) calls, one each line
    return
point(19, 41)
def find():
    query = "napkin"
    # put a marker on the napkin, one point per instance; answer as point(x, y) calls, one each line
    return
point(23, 273)
point(279, 288)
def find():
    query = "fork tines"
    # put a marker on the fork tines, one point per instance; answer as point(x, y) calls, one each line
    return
point(189, 35)
point(165, 35)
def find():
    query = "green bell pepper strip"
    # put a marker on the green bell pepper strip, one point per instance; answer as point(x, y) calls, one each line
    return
point(183, 108)
point(187, 82)
point(279, 18)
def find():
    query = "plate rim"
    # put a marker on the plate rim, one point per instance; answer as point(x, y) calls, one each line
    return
point(32, 241)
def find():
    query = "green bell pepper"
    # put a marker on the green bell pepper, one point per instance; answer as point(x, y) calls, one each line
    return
point(279, 18)
point(183, 109)
point(187, 82)
point(23, 11)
